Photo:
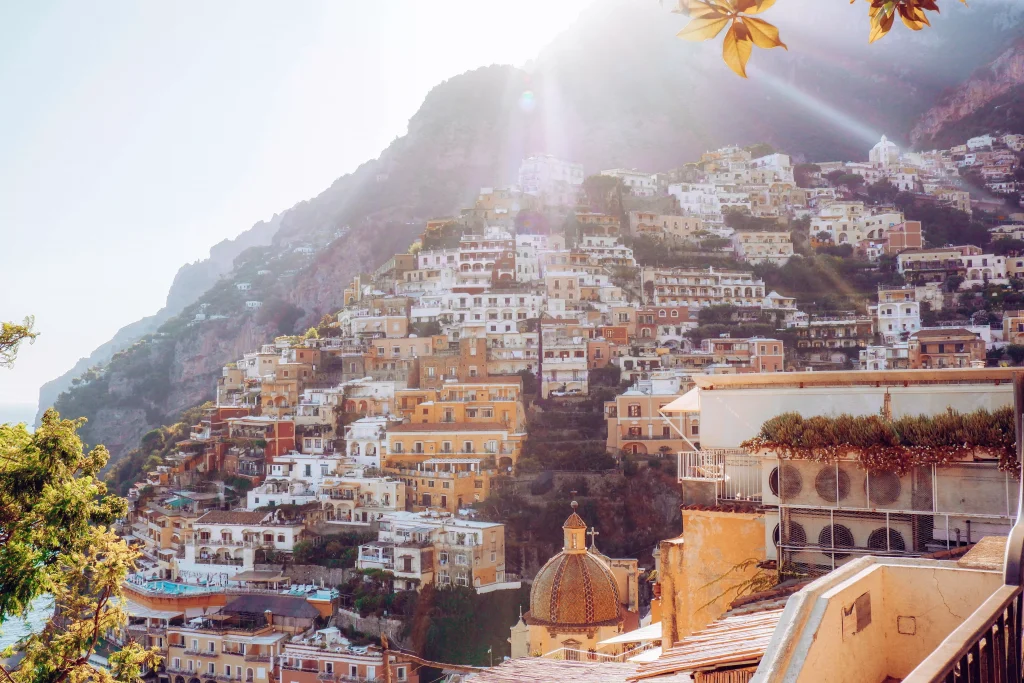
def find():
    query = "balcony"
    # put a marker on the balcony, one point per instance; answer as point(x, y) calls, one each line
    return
point(735, 474)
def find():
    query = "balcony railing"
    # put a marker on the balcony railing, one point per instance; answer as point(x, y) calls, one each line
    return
point(735, 474)
point(986, 648)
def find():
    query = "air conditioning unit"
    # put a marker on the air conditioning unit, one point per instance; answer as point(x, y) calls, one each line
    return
point(828, 534)
point(784, 482)
point(772, 533)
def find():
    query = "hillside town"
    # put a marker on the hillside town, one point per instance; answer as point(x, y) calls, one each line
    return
point(340, 468)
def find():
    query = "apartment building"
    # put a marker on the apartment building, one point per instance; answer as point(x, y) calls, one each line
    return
point(897, 314)
point(226, 543)
point(448, 484)
point(946, 348)
point(662, 226)
point(635, 423)
point(230, 646)
point(763, 246)
point(328, 656)
point(485, 440)
point(425, 548)
point(695, 288)
point(839, 332)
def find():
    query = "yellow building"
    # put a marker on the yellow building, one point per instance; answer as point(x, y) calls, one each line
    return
point(455, 440)
point(575, 602)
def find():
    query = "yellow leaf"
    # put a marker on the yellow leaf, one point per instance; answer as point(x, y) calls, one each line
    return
point(736, 49)
point(912, 24)
point(763, 34)
point(880, 26)
point(753, 6)
point(702, 29)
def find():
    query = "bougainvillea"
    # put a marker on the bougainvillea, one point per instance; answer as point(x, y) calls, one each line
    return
point(882, 445)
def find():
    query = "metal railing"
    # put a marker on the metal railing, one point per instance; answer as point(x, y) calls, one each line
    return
point(735, 474)
point(986, 648)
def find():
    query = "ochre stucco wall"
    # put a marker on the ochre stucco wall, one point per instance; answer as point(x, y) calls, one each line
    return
point(699, 576)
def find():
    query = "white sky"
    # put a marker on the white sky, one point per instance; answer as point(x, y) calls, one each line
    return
point(135, 135)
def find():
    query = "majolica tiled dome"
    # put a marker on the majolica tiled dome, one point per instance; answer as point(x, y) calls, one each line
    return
point(575, 588)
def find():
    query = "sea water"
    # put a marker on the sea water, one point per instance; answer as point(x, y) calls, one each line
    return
point(13, 630)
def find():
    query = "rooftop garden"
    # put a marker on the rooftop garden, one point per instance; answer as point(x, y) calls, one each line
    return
point(892, 445)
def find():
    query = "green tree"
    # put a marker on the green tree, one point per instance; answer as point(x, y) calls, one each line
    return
point(55, 539)
point(802, 174)
point(1016, 353)
point(850, 180)
point(11, 337)
point(1007, 246)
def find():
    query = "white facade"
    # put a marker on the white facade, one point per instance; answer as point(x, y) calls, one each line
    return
point(546, 176)
point(884, 154)
point(639, 184)
point(366, 440)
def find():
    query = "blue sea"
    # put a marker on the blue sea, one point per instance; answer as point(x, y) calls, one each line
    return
point(15, 629)
point(18, 412)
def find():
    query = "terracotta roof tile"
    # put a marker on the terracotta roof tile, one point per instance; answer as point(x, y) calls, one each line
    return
point(729, 642)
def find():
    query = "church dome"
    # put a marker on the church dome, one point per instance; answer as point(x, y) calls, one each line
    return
point(575, 588)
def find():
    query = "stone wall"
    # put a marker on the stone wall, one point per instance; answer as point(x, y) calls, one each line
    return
point(309, 573)
point(371, 626)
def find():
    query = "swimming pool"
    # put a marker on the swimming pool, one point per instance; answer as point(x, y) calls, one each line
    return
point(173, 588)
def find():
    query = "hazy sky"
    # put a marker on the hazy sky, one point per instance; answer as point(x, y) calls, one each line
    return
point(135, 135)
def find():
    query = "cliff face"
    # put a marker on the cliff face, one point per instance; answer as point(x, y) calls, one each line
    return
point(190, 282)
point(939, 124)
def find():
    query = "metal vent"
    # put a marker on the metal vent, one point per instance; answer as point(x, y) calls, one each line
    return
point(836, 536)
point(789, 482)
point(832, 483)
point(891, 541)
point(795, 534)
point(773, 484)
point(883, 488)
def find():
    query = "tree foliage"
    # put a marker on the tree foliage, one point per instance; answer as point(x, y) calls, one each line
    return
point(55, 539)
point(11, 337)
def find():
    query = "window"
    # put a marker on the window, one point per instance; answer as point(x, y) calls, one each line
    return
point(211, 668)
point(280, 538)
point(430, 372)
point(195, 645)
point(308, 470)
point(634, 410)
point(446, 446)
point(176, 663)
point(212, 647)
point(694, 430)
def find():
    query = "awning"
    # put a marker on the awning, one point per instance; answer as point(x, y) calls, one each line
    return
point(645, 633)
point(136, 610)
point(258, 576)
point(647, 656)
point(687, 403)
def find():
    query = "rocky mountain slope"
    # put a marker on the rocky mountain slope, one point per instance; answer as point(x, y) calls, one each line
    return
point(972, 106)
point(617, 89)
point(190, 282)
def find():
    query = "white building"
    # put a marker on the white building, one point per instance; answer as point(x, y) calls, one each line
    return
point(639, 184)
point(226, 543)
point(555, 180)
point(366, 440)
point(884, 154)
